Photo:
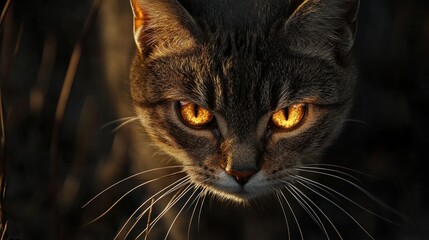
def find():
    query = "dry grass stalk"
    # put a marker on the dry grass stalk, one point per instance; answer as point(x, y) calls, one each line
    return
point(60, 110)
point(148, 219)
point(3, 219)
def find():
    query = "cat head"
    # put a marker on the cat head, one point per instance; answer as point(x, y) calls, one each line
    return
point(243, 92)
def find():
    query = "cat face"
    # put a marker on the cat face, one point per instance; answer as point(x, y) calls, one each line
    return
point(242, 106)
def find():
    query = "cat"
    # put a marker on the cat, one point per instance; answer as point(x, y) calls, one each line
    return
point(243, 93)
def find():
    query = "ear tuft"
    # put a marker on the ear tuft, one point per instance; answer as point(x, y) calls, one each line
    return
point(161, 26)
point(324, 28)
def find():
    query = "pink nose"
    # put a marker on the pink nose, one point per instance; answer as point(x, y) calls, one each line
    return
point(241, 176)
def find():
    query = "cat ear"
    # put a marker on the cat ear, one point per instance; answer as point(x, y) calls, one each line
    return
point(325, 28)
point(162, 25)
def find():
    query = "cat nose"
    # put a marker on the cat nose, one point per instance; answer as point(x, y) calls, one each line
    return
point(242, 177)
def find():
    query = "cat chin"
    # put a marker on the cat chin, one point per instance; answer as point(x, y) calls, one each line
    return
point(237, 197)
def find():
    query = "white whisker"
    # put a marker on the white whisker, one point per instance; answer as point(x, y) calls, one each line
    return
point(297, 195)
point(317, 207)
point(201, 209)
point(334, 171)
point(359, 188)
point(305, 206)
point(180, 211)
point(118, 121)
point(178, 192)
point(172, 202)
point(176, 189)
point(326, 188)
point(130, 191)
point(284, 214)
point(130, 177)
point(124, 123)
point(293, 214)
point(198, 198)
point(339, 207)
point(333, 166)
point(169, 189)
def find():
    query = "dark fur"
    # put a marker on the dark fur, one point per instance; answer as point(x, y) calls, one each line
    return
point(243, 60)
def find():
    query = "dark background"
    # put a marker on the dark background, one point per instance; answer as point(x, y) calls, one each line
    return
point(55, 162)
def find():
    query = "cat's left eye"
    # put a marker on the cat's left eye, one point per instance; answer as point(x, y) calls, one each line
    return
point(194, 115)
point(290, 117)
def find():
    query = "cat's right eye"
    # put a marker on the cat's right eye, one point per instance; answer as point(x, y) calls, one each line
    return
point(290, 117)
point(194, 115)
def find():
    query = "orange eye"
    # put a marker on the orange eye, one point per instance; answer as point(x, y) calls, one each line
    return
point(290, 117)
point(194, 115)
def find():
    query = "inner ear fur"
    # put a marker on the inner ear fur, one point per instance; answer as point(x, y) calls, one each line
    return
point(162, 25)
point(323, 28)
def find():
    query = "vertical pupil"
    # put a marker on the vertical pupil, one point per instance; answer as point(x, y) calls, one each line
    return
point(286, 114)
point(196, 110)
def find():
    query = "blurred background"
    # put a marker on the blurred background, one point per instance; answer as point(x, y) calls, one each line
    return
point(64, 68)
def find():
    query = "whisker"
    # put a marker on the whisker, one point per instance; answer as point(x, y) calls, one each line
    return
point(118, 121)
point(291, 189)
point(176, 188)
point(384, 205)
point(201, 209)
point(293, 214)
point(130, 191)
point(307, 180)
point(307, 208)
point(167, 208)
point(148, 227)
point(284, 214)
point(172, 187)
point(169, 205)
point(198, 198)
point(340, 167)
point(195, 200)
point(317, 207)
point(130, 177)
point(123, 122)
point(334, 171)
point(325, 188)
point(339, 207)
point(179, 192)
point(180, 211)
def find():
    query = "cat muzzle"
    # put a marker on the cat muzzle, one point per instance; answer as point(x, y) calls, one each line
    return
point(242, 177)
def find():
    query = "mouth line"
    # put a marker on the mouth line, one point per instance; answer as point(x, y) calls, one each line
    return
point(237, 194)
